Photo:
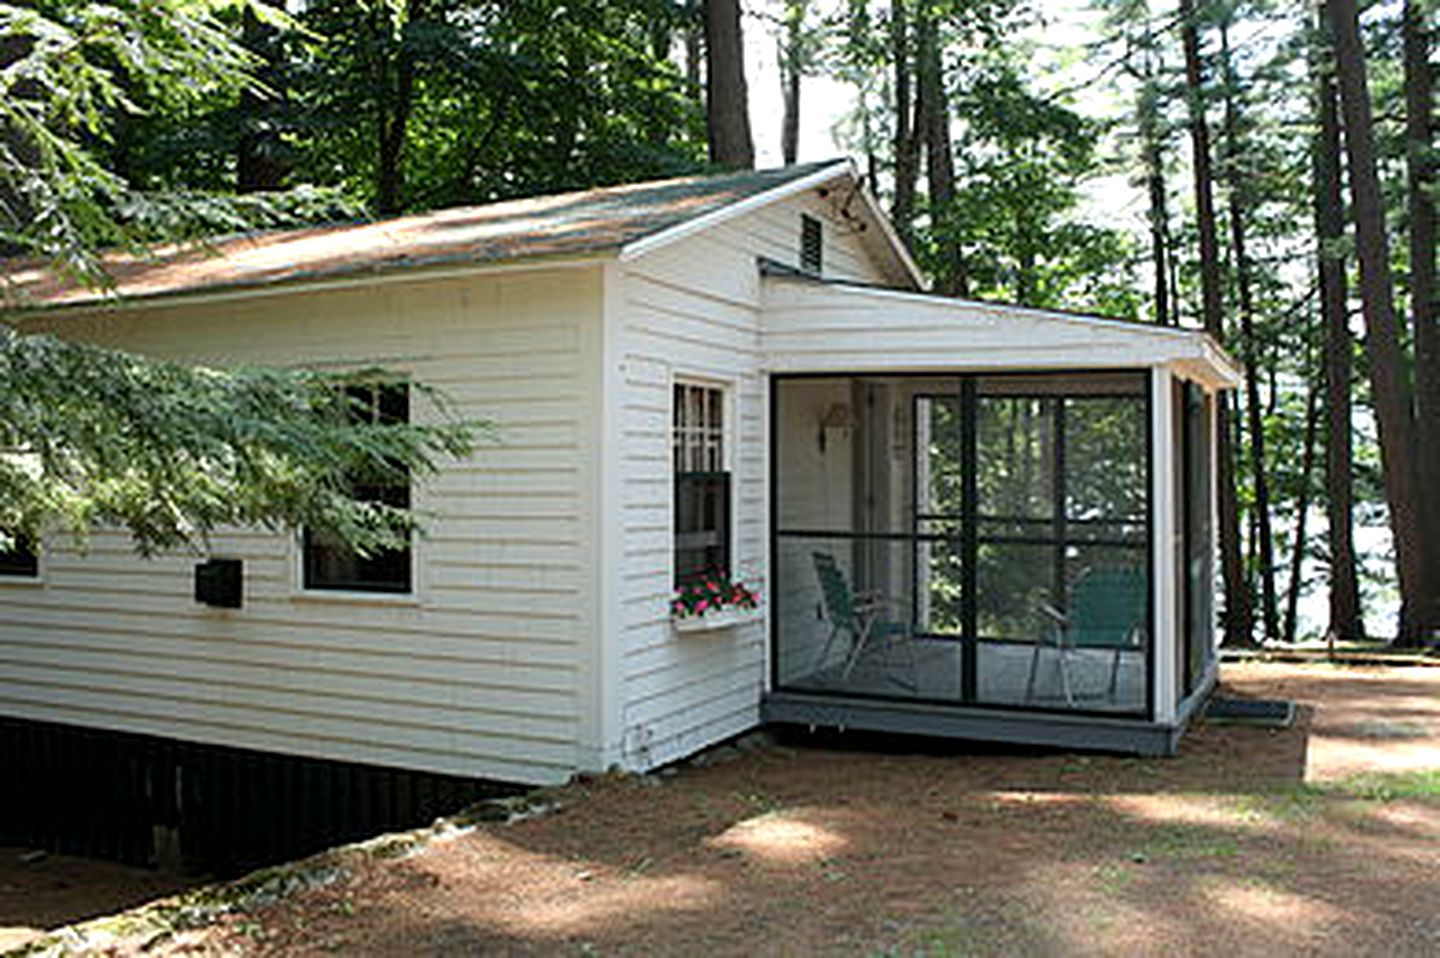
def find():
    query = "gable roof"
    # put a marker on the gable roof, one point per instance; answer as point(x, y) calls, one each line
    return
point(591, 221)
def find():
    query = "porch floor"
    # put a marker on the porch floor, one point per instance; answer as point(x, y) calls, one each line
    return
point(930, 670)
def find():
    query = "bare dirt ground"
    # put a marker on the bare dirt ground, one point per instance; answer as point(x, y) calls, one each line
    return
point(1320, 839)
point(42, 891)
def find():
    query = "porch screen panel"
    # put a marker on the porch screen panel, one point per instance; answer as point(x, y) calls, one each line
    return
point(1196, 463)
point(1062, 553)
point(846, 537)
point(954, 538)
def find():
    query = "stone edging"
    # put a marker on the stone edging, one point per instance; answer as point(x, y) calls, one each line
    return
point(152, 924)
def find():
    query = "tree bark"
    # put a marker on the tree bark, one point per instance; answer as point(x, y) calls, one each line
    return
point(1346, 621)
point(694, 39)
point(1389, 388)
point(727, 103)
point(259, 159)
point(1239, 614)
point(792, 57)
point(1153, 160)
point(1302, 512)
point(1420, 147)
point(397, 81)
point(933, 126)
point(1260, 482)
point(906, 146)
point(790, 123)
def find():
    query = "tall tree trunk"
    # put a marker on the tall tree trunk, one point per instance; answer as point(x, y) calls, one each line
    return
point(933, 126)
point(1239, 615)
point(727, 104)
point(397, 76)
point(1238, 209)
point(1420, 147)
point(694, 39)
point(1153, 159)
point(1302, 514)
point(792, 58)
point(907, 145)
point(1388, 385)
point(259, 159)
point(790, 122)
point(1346, 622)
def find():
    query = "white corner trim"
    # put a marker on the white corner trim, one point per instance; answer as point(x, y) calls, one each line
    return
point(887, 229)
point(662, 238)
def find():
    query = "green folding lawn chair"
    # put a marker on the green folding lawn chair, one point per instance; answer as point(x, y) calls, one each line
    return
point(1107, 610)
point(859, 617)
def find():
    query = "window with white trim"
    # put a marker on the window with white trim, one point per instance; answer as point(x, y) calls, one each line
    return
point(331, 565)
point(702, 483)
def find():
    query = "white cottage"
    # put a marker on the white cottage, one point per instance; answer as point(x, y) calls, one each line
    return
point(963, 518)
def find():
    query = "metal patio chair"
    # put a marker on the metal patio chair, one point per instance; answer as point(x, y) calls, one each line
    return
point(1106, 611)
point(860, 617)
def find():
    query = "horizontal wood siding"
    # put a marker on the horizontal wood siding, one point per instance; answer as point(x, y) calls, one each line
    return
point(813, 328)
point(480, 673)
point(692, 310)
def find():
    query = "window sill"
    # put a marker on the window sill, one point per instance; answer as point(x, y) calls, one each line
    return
point(21, 580)
point(351, 597)
point(715, 621)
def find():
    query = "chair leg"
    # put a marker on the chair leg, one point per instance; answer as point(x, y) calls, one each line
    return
point(1065, 678)
point(1034, 664)
point(825, 652)
point(861, 638)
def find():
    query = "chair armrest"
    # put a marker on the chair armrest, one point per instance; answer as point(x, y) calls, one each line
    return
point(1060, 618)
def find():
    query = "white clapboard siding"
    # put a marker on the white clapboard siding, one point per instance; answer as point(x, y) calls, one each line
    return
point(692, 309)
point(482, 672)
point(810, 328)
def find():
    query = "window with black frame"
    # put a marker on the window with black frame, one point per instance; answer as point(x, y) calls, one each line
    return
point(702, 483)
point(330, 564)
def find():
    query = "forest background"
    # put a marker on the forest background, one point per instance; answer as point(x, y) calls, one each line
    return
point(1261, 169)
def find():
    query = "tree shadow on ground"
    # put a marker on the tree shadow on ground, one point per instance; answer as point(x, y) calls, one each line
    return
point(898, 846)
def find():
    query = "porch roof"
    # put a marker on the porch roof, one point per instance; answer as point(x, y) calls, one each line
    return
point(812, 325)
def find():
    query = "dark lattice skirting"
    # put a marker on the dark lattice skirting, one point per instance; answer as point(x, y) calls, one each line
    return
point(112, 795)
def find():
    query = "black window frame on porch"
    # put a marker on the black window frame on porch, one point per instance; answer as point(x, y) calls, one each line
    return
point(702, 499)
point(970, 537)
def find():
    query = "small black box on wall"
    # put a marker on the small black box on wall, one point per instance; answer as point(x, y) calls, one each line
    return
point(219, 582)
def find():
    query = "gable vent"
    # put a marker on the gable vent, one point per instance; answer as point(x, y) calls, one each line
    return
point(812, 243)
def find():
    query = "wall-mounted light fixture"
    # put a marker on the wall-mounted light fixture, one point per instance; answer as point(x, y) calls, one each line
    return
point(837, 419)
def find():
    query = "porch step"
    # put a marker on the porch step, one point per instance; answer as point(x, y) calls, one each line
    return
point(1263, 713)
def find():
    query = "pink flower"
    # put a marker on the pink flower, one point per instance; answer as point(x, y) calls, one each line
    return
point(701, 606)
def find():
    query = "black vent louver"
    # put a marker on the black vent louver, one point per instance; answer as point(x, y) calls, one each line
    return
point(812, 244)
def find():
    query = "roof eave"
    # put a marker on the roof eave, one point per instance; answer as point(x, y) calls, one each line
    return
point(898, 249)
point(673, 234)
point(437, 269)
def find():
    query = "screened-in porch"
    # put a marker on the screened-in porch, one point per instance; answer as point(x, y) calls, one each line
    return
point(985, 545)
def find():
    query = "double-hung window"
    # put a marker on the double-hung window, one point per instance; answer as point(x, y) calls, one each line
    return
point(330, 564)
point(702, 484)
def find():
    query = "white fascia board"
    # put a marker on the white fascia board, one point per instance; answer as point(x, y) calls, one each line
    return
point(340, 281)
point(897, 246)
point(663, 238)
point(1190, 351)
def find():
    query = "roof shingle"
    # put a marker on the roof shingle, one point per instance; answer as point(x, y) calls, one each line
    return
point(568, 223)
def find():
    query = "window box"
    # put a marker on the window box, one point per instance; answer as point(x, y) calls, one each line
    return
point(714, 621)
